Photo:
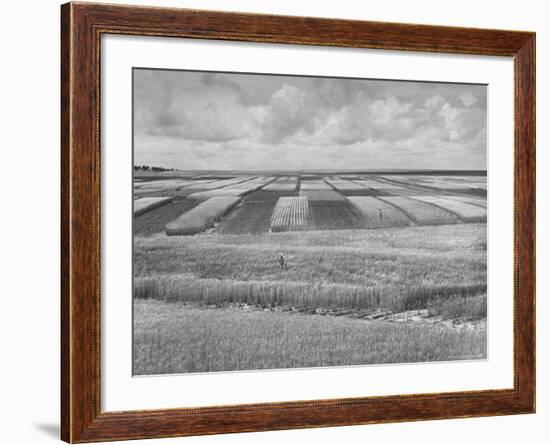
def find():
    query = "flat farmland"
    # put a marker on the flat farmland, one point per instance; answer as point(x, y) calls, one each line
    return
point(366, 201)
point(187, 288)
point(375, 270)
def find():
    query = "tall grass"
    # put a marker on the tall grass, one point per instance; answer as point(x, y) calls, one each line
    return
point(303, 295)
point(394, 269)
point(474, 308)
point(172, 338)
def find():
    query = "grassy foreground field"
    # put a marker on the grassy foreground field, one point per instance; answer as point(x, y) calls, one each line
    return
point(396, 269)
point(199, 299)
point(175, 338)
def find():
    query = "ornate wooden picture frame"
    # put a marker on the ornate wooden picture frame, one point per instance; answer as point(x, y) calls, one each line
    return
point(82, 26)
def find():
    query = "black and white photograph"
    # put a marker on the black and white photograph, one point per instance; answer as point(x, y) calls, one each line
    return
point(284, 221)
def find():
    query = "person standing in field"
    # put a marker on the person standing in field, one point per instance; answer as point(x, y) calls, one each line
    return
point(281, 261)
point(380, 214)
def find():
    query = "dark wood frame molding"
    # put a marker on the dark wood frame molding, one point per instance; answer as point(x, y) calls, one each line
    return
point(82, 25)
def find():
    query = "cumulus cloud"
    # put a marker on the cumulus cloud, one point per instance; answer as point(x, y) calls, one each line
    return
point(264, 122)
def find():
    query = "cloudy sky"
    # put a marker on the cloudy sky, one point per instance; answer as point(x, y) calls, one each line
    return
point(205, 121)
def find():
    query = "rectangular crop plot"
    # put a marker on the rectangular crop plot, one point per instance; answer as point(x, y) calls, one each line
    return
point(155, 220)
point(421, 212)
point(475, 200)
point(314, 185)
point(143, 205)
point(233, 189)
point(250, 216)
point(201, 217)
point(344, 185)
point(215, 184)
point(281, 186)
point(383, 185)
point(207, 194)
point(148, 188)
point(465, 211)
point(378, 214)
point(336, 215)
point(269, 195)
point(322, 195)
point(291, 214)
point(443, 184)
point(160, 185)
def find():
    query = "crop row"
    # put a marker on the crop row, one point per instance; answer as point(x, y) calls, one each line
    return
point(291, 214)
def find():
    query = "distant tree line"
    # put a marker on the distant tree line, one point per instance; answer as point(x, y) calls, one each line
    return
point(149, 168)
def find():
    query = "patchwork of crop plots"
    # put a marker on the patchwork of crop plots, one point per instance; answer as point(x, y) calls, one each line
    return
point(233, 189)
point(282, 184)
point(425, 260)
point(378, 213)
point(201, 217)
point(465, 211)
point(421, 212)
point(239, 204)
point(208, 184)
point(291, 214)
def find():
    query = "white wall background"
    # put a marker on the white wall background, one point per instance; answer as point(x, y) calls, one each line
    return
point(29, 247)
